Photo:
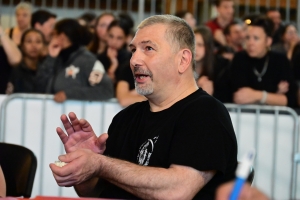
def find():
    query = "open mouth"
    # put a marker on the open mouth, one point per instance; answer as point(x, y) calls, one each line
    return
point(141, 76)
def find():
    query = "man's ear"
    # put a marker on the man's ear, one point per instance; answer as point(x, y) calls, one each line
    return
point(185, 60)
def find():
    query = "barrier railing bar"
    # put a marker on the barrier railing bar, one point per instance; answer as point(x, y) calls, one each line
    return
point(83, 107)
point(43, 127)
point(256, 132)
point(23, 124)
point(277, 4)
point(274, 153)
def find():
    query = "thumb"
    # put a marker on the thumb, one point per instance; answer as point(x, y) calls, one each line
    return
point(69, 157)
point(101, 141)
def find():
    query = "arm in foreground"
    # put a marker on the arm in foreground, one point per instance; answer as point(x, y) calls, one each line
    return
point(85, 168)
point(247, 193)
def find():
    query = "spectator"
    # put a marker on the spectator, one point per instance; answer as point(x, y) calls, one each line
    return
point(289, 38)
point(23, 15)
point(275, 16)
point(259, 75)
point(212, 70)
point(116, 57)
point(22, 79)
point(88, 19)
point(295, 61)
point(10, 55)
point(98, 45)
point(70, 71)
point(235, 36)
point(188, 17)
point(180, 144)
point(43, 21)
point(225, 9)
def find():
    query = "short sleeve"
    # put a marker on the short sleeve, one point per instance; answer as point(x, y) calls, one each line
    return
point(205, 138)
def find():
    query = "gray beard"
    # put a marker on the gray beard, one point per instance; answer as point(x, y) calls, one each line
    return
point(144, 91)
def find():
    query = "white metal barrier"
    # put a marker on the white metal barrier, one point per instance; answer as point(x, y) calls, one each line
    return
point(30, 120)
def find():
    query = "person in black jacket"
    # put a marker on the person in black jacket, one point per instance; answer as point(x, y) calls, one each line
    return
point(22, 79)
point(70, 71)
point(259, 75)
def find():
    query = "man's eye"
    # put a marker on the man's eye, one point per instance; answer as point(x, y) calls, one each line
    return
point(149, 48)
point(133, 50)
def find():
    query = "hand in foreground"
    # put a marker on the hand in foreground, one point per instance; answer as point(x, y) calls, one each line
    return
point(81, 166)
point(80, 134)
point(247, 193)
point(246, 95)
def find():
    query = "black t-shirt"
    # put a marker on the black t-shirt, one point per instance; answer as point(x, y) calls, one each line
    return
point(196, 131)
point(278, 69)
point(23, 79)
point(127, 75)
point(5, 71)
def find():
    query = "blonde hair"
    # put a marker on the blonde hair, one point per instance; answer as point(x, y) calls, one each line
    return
point(178, 31)
point(24, 5)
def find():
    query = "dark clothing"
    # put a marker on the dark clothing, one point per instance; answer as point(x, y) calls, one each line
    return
point(221, 79)
point(278, 69)
point(23, 79)
point(70, 72)
point(127, 75)
point(123, 59)
point(196, 131)
point(5, 70)
point(295, 61)
point(277, 36)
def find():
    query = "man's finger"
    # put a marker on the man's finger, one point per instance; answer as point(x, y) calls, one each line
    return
point(74, 121)
point(62, 135)
point(67, 124)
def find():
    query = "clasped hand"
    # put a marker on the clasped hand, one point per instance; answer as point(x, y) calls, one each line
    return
point(83, 148)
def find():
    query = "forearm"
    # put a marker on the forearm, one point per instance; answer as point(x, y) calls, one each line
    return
point(276, 99)
point(13, 53)
point(176, 182)
point(88, 188)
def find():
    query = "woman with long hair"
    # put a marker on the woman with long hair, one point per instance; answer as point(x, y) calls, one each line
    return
point(116, 56)
point(211, 71)
point(98, 45)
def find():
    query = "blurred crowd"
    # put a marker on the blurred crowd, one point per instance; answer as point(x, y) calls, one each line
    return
point(253, 60)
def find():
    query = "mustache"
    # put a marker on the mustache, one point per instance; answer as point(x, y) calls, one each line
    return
point(138, 70)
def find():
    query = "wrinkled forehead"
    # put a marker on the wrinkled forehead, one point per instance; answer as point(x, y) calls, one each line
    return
point(155, 33)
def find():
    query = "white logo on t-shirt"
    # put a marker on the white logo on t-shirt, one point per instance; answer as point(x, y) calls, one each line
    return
point(72, 71)
point(146, 150)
